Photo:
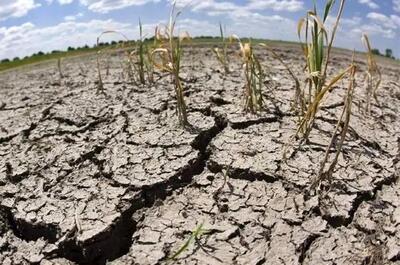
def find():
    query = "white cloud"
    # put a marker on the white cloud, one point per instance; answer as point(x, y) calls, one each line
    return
point(27, 38)
point(390, 22)
point(351, 22)
point(64, 2)
point(369, 3)
point(195, 27)
point(61, 2)
point(16, 8)
point(280, 28)
point(105, 6)
point(377, 16)
point(375, 25)
point(213, 7)
point(276, 5)
point(383, 31)
point(396, 20)
point(375, 30)
point(73, 17)
point(246, 19)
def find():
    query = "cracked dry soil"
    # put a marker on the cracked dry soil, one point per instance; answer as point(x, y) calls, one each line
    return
point(89, 178)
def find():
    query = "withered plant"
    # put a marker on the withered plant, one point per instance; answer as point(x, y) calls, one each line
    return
point(337, 140)
point(141, 59)
point(373, 75)
point(317, 49)
point(167, 57)
point(100, 85)
point(254, 78)
point(222, 54)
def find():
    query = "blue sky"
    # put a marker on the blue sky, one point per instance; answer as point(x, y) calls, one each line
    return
point(28, 26)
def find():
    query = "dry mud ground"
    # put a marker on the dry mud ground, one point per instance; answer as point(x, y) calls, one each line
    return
point(89, 178)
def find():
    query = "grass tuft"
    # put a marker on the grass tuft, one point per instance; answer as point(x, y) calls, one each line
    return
point(222, 54)
point(195, 235)
point(254, 76)
point(317, 89)
point(141, 57)
point(317, 58)
point(167, 57)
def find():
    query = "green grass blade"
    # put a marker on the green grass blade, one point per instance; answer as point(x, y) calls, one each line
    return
point(328, 8)
point(195, 234)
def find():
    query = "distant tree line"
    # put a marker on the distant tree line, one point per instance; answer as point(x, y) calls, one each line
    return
point(69, 49)
point(87, 47)
point(388, 53)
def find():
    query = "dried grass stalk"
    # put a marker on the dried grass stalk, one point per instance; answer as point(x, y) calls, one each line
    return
point(373, 75)
point(254, 76)
point(343, 126)
point(222, 54)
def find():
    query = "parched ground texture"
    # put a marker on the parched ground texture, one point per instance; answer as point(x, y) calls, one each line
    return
point(110, 178)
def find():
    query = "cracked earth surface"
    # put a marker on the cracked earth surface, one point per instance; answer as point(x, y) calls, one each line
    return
point(88, 178)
